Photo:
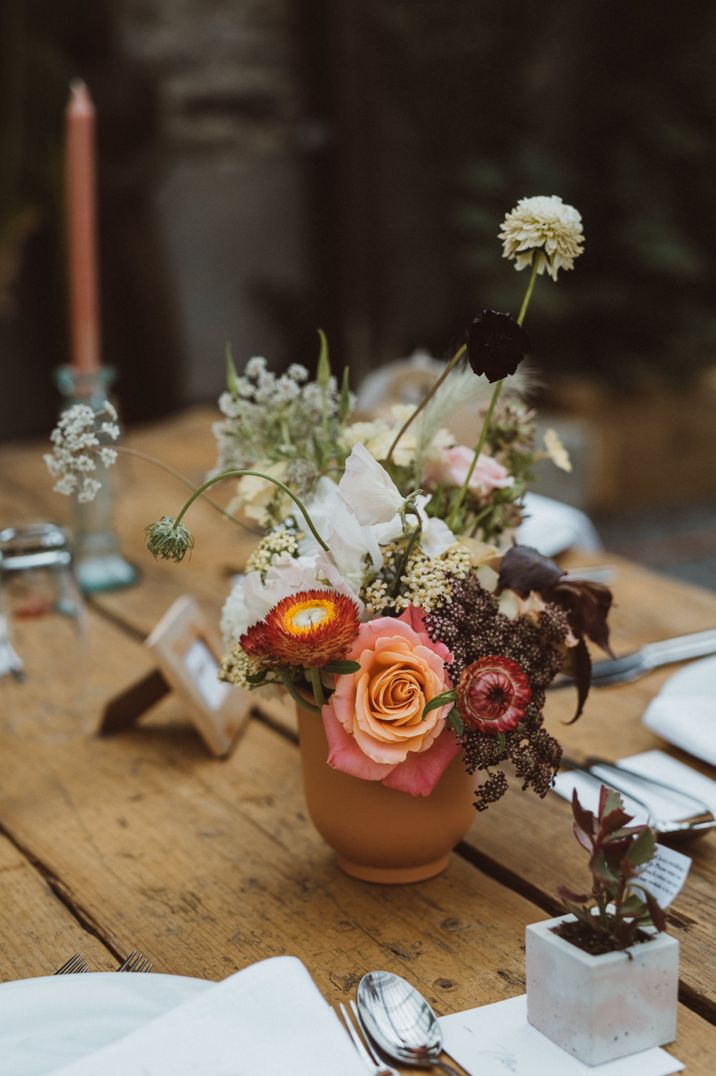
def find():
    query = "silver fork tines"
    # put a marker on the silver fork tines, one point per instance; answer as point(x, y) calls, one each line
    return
point(364, 1046)
point(74, 966)
point(136, 961)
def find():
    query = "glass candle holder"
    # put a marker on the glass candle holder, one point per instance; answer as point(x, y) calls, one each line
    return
point(99, 563)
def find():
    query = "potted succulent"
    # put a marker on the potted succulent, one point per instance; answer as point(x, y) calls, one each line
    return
point(602, 981)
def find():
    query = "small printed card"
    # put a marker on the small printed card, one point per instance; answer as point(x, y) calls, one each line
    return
point(496, 1040)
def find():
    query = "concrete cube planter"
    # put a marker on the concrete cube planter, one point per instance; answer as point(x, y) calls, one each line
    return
point(601, 1007)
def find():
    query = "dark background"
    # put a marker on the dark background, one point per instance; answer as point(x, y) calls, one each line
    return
point(270, 166)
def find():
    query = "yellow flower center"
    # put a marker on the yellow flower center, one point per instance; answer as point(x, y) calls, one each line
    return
point(303, 617)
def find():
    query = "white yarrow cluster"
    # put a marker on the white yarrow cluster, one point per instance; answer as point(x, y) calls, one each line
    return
point(78, 443)
point(270, 417)
point(545, 228)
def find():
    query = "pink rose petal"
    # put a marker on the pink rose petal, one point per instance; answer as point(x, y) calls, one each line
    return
point(419, 774)
point(344, 753)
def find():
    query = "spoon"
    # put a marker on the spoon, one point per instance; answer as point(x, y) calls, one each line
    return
point(400, 1021)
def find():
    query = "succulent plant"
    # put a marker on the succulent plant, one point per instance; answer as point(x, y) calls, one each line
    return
point(619, 905)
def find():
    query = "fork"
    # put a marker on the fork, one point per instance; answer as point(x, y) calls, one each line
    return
point(74, 966)
point(666, 652)
point(363, 1046)
point(136, 961)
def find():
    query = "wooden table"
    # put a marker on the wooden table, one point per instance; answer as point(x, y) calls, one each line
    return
point(144, 841)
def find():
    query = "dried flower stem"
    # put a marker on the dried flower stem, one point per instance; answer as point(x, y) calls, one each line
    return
point(426, 399)
point(453, 518)
point(126, 450)
point(239, 473)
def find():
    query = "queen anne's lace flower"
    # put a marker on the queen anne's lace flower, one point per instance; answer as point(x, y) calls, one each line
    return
point(545, 228)
point(77, 442)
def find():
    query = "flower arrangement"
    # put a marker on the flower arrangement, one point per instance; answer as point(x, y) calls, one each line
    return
point(383, 593)
point(612, 916)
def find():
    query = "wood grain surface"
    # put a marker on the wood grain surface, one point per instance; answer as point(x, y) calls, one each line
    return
point(144, 841)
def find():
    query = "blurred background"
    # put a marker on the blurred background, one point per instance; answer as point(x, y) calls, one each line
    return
point(268, 166)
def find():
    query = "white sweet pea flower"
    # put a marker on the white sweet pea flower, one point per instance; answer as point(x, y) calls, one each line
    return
point(435, 536)
point(353, 547)
point(368, 489)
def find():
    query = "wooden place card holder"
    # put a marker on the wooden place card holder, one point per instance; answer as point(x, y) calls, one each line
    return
point(187, 652)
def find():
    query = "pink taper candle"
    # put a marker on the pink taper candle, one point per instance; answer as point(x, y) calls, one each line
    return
point(82, 230)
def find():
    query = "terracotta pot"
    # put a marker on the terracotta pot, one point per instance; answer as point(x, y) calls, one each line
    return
point(381, 835)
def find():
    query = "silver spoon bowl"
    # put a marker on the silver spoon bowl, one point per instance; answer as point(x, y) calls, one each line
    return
point(400, 1021)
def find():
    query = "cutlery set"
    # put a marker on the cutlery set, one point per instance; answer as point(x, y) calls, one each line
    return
point(391, 1019)
point(76, 964)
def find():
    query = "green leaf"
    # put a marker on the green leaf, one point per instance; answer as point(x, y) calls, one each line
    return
point(232, 379)
point(642, 849)
point(609, 801)
point(345, 405)
point(599, 867)
point(633, 906)
point(438, 700)
point(341, 667)
point(323, 368)
point(455, 722)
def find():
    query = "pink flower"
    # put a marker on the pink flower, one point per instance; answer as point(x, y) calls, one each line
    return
point(374, 719)
point(451, 468)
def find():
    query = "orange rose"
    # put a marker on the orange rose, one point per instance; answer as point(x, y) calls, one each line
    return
point(374, 719)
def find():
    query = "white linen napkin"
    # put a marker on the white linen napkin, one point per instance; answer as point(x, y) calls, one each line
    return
point(267, 1020)
point(496, 1039)
point(687, 721)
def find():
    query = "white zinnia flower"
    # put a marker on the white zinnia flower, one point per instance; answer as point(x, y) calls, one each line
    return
point(368, 489)
point(543, 226)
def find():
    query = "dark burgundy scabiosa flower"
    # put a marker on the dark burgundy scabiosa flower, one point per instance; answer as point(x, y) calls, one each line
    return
point(496, 344)
point(492, 694)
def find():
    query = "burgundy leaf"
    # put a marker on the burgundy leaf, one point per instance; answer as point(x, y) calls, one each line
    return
point(583, 817)
point(656, 912)
point(578, 665)
point(524, 569)
point(614, 820)
point(587, 606)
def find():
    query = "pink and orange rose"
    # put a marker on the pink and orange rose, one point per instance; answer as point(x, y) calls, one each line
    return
point(374, 720)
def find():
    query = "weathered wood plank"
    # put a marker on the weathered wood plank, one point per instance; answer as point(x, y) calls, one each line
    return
point(38, 932)
point(208, 866)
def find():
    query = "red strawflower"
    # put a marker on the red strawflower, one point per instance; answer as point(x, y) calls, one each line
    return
point(310, 629)
point(492, 694)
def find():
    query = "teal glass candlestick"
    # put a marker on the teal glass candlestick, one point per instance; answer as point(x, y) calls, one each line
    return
point(99, 563)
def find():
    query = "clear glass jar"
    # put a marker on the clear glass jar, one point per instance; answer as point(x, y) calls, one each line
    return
point(100, 565)
point(37, 587)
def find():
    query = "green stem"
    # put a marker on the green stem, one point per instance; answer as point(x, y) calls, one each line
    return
point(528, 293)
point(454, 516)
point(297, 697)
point(314, 676)
point(426, 399)
point(410, 546)
point(126, 450)
point(256, 474)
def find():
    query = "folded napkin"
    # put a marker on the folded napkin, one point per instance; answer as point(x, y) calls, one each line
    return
point(496, 1039)
point(661, 803)
point(552, 527)
point(687, 721)
point(267, 1020)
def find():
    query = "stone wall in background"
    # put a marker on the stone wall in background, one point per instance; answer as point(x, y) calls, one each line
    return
point(229, 190)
